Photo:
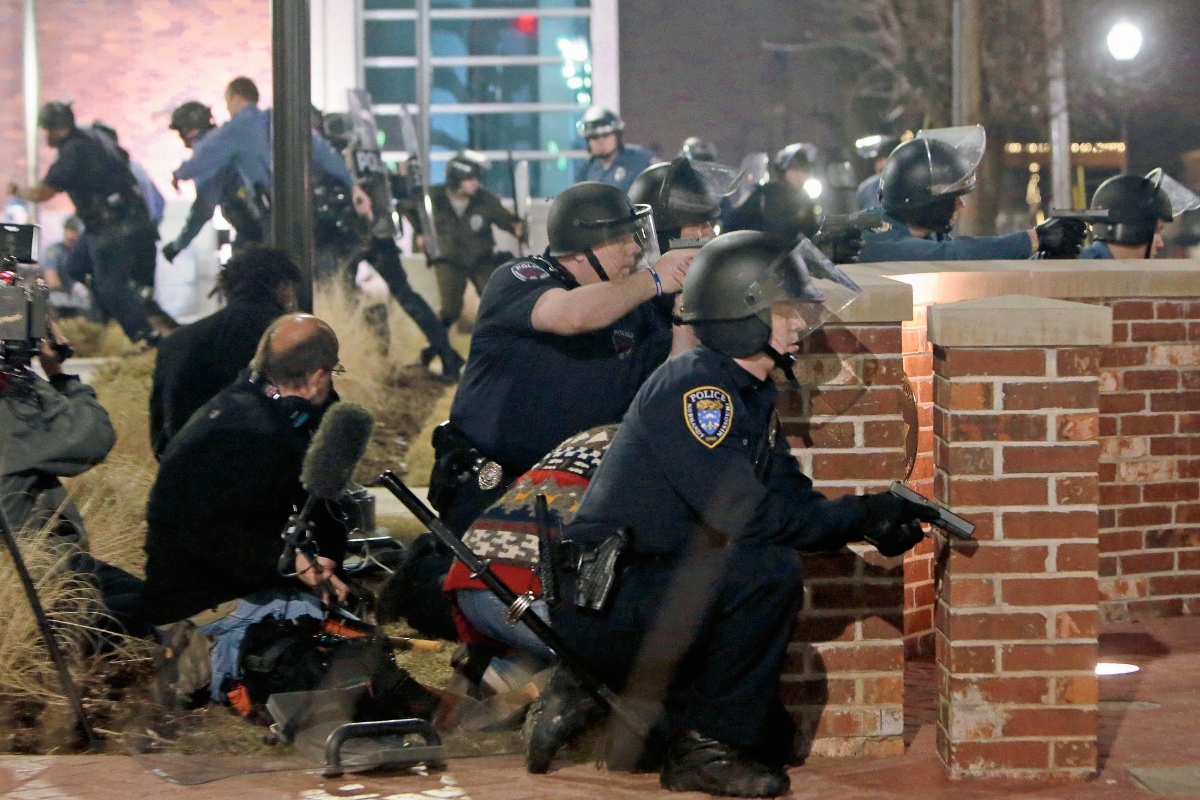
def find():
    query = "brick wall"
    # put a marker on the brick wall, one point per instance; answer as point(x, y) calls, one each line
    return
point(1150, 460)
point(918, 564)
point(1017, 621)
point(844, 681)
point(129, 62)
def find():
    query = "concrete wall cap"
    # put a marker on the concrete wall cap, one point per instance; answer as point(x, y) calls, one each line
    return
point(1019, 321)
point(882, 300)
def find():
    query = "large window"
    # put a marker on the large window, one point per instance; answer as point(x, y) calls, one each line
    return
point(507, 76)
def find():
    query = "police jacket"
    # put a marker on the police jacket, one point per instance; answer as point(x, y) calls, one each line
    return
point(778, 210)
point(524, 390)
point(866, 196)
point(466, 239)
point(243, 143)
point(199, 360)
point(94, 172)
point(627, 164)
point(49, 430)
point(698, 460)
point(897, 243)
point(227, 484)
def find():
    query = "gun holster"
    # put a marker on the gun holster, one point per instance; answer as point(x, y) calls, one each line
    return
point(456, 463)
point(595, 566)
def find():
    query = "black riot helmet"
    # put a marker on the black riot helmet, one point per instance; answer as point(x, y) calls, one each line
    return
point(924, 177)
point(339, 128)
point(683, 192)
point(875, 146)
point(697, 149)
point(1135, 205)
point(464, 166)
point(798, 155)
point(735, 279)
point(56, 115)
point(591, 213)
point(599, 121)
point(192, 116)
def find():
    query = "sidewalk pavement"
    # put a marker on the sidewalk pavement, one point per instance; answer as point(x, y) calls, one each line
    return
point(1148, 725)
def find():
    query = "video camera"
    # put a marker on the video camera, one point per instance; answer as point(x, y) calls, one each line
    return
point(24, 299)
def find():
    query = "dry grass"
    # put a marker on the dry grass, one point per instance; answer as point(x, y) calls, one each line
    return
point(112, 496)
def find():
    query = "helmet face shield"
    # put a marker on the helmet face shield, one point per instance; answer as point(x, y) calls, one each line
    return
point(969, 143)
point(639, 227)
point(755, 172)
point(1182, 198)
point(806, 280)
point(695, 188)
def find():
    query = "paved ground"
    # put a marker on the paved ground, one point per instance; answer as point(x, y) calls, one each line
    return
point(1148, 720)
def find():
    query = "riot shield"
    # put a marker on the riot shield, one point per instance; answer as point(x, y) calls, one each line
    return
point(367, 162)
point(416, 176)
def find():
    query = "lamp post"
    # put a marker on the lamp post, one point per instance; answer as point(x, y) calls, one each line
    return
point(1124, 43)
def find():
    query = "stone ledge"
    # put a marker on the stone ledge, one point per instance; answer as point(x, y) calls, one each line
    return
point(951, 281)
point(882, 300)
point(1019, 321)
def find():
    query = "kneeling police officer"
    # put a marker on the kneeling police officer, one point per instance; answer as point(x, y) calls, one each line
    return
point(921, 189)
point(714, 511)
point(1139, 208)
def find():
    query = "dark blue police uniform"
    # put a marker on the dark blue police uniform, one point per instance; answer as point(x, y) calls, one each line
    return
point(867, 194)
point(1096, 250)
point(897, 243)
point(118, 235)
point(524, 391)
point(716, 509)
point(626, 165)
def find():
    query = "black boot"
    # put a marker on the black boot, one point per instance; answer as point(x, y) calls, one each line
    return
point(567, 712)
point(696, 763)
point(452, 364)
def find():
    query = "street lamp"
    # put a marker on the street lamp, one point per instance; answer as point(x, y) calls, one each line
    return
point(1124, 41)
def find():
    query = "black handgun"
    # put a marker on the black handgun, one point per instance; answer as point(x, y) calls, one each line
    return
point(1089, 215)
point(947, 520)
point(866, 220)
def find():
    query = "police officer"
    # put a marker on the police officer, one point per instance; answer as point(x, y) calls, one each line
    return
point(781, 208)
point(612, 161)
point(714, 511)
point(193, 121)
point(875, 149)
point(464, 213)
point(119, 235)
point(921, 189)
point(685, 197)
point(1139, 208)
point(349, 230)
point(236, 160)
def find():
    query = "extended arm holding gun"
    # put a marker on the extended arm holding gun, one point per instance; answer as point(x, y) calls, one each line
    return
point(946, 520)
point(840, 236)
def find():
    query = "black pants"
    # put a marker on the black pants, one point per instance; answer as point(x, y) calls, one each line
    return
point(117, 258)
point(704, 635)
point(120, 595)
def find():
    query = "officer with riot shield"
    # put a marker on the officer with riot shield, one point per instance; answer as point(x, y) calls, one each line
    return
point(921, 189)
point(1138, 208)
point(119, 235)
point(781, 208)
point(687, 573)
point(359, 225)
point(612, 161)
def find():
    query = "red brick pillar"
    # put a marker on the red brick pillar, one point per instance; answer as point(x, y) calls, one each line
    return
point(1016, 423)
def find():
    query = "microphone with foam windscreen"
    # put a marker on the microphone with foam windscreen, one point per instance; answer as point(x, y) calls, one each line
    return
point(339, 443)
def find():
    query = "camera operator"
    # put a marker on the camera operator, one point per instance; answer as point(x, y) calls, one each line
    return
point(68, 294)
point(119, 235)
point(227, 485)
point(53, 429)
point(199, 360)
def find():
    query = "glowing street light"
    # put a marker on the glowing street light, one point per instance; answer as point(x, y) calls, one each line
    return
point(1124, 41)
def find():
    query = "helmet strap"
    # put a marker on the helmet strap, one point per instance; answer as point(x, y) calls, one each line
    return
point(785, 363)
point(1149, 249)
point(596, 265)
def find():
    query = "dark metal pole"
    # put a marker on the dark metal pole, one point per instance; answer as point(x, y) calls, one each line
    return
point(291, 198)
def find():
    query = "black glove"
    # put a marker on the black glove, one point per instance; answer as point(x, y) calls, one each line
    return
point(1061, 238)
point(841, 247)
point(170, 250)
point(893, 523)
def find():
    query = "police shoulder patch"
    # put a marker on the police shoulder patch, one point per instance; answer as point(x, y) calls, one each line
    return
point(708, 412)
point(529, 271)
